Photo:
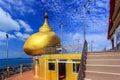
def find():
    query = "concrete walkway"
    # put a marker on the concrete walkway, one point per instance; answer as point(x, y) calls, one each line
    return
point(24, 76)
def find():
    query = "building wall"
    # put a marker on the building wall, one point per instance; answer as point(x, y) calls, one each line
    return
point(46, 74)
point(42, 67)
point(70, 74)
point(118, 37)
point(51, 74)
point(116, 16)
point(114, 21)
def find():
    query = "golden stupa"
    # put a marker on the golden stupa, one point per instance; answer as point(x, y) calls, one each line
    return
point(36, 43)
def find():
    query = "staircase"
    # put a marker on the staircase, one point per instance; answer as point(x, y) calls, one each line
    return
point(103, 66)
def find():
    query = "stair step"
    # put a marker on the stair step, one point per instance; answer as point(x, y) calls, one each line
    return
point(104, 53)
point(87, 79)
point(100, 52)
point(94, 75)
point(103, 68)
point(103, 56)
point(104, 61)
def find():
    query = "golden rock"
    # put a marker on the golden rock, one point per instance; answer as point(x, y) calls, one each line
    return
point(36, 43)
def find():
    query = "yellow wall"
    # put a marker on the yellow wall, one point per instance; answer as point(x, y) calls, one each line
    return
point(70, 74)
point(42, 68)
point(51, 74)
point(46, 74)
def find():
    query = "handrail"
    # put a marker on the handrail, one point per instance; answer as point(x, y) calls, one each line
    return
point(82, 67)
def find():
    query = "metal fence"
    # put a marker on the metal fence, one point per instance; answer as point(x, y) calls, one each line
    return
point(77, 48)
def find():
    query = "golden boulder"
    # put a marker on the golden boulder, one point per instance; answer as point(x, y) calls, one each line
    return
point(36, 43)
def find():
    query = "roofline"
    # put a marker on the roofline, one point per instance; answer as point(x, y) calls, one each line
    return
point(112, 7)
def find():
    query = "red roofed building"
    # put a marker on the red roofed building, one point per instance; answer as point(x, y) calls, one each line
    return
point(114, 24)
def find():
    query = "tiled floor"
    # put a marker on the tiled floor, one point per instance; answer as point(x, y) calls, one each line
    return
point(24, 76)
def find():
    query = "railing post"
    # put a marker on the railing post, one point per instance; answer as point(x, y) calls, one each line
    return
point(21, 68)
point(2, 77)
point(8, 69)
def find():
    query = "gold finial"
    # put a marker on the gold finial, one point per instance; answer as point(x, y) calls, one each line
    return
point(46, 15)
point(45, 27)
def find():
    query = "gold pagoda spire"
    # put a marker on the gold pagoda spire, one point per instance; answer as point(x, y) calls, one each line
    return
point(45, 27)
point(36, 43)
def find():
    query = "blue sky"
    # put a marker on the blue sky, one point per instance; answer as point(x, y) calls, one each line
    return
point(21, 18)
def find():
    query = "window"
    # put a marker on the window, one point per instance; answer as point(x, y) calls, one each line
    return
point(76, 67)
point(51, 66)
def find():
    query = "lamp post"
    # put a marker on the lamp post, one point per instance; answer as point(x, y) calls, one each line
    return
point(85, 10)
point(78, 40)
point(61, 29)
point(7, 67)
point(7, 50)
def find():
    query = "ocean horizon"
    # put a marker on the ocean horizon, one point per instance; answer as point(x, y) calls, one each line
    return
point(15, 62)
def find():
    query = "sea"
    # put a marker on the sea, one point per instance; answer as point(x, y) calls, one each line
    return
point(15, 62)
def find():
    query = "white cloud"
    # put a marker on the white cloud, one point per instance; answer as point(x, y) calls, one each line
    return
point(3, 35)
point(14, 2)
point(6, 22)
point(21, 6)
point(24, 9)
point(21, 36)
point(77, 17)
point(97, 25)
point(1, 2)
point(99, 40)
point(102, 3)
point(70, 38)
point(53, 6)
point(25, 26)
